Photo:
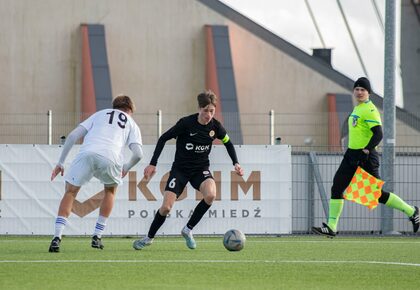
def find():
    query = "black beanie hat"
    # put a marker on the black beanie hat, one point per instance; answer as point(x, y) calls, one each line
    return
point(363, 83)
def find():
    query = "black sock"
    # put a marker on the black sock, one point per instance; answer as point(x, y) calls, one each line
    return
point(198, 213)
point(156, 224)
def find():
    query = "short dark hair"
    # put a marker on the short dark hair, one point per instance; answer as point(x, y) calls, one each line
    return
point(123, 103)
point(206, 98)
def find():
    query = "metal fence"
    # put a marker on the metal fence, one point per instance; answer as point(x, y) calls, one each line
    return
point(297, 129)
point(311, 176)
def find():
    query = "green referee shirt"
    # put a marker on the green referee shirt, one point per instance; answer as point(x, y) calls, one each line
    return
point(362, 119)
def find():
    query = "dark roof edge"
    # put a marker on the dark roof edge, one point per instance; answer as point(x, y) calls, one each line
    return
point(301, 56)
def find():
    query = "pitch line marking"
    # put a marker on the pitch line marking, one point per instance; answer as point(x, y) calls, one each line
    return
point(213, 240)
point(213, 261)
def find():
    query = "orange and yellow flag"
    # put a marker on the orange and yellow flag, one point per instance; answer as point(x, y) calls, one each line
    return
point(364, 189)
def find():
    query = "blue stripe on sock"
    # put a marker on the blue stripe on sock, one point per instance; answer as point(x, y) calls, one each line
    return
point(61, 221)
point(100, 227)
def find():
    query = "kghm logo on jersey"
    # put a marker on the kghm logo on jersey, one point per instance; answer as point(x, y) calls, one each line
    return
point(197, 148)
point(211, 133)
point(201, 148)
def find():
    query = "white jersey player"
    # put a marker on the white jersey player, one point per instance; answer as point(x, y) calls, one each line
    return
point(105, 133)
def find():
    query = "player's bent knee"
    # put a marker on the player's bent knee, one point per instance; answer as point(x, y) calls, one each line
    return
point(336, 195)
point(337, 190)
point(165, 210)
point(210, 197)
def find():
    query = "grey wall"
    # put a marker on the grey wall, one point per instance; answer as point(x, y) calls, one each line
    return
point(156, 54)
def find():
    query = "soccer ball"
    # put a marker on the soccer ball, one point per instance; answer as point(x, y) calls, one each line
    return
point(234, 240)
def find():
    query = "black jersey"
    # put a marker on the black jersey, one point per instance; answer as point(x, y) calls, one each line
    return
point(193, 142)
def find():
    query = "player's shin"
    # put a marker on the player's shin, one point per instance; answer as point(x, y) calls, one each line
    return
point(394, 201)
point(335, 210)
point(198, 213)
point(156, 224)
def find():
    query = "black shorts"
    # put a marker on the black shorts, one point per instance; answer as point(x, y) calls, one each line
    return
point(178, 179)
point(348, 167)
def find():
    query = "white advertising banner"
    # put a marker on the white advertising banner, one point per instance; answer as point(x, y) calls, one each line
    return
point(259, 202)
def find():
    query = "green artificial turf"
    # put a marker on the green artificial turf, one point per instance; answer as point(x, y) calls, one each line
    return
point(299, 262)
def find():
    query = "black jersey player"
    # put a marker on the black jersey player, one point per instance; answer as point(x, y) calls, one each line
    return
point(194, 137)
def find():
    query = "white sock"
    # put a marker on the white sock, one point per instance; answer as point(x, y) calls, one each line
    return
point(60, 224)
point(186, 230)
point(100, 226)
point(148, 240)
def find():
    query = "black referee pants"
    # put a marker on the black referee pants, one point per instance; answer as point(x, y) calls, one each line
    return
point(352, 159)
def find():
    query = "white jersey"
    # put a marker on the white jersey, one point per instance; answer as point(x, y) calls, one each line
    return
point(109, 131)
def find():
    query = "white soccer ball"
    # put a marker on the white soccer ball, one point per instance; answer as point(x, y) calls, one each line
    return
point(234, 240)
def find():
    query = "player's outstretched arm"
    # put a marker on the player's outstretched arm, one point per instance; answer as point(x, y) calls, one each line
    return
point(173, 132)
point(135, 158)
point(71, 139)
point(232, 153)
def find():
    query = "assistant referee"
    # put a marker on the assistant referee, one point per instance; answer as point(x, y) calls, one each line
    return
point(365, 133)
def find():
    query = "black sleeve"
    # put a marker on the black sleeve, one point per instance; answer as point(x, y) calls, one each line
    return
point(376, 137)
point(345, 127)
point(173, 132)
point(231, 151)
point(222, 134)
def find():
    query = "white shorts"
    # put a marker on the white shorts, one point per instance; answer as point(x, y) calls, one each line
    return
point(88, 164)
